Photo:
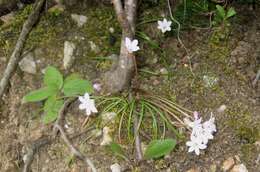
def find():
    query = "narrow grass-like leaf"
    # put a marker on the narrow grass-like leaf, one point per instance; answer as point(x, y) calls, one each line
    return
point(129, 123)
point(159, 148)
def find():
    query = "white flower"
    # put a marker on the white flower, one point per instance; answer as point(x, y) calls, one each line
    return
point(131, 46)
point(97, 87)
point(87, 104)
point(164, 25)
point(195, 145)
point(210, 125)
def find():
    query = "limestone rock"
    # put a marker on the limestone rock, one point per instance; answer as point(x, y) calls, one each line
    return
point(115, 167)
point(239, 168)
point(228, 164)
point(27, 64)
point(79, 19)
point(69, 58)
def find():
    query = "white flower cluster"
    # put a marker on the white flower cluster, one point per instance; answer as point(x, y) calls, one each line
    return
point(201, 133)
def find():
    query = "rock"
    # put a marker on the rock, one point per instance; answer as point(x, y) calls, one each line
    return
point(228, 164)
point(164, 71)
point(94, 47)
point(69, 58)
point(108, 117)
point(79, 19)
point(113, 57)
point(239, 168)
point(27, 64)
point(8, 18)
point(107, 139)
point(115, 167)
point(222, 108)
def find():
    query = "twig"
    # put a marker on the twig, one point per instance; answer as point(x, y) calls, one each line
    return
point(61, 115)
point(138, 148)
point(73, 150)
point(30, 151)
point(14, 59)
point(39, 143)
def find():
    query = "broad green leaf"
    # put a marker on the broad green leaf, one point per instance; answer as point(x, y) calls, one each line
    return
point(77, 87)
point(221, 11)
point(53, 78)
point(231, 12)
point(158, 148)
point(38, 95)
point(72, 77)
point(51, 109)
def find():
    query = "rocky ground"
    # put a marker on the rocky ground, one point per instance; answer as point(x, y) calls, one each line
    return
point(217, 78)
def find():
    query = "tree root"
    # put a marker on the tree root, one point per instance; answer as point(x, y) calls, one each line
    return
point(14, 59)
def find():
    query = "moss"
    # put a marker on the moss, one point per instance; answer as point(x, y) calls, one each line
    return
point(243, 123)
point(249, 153)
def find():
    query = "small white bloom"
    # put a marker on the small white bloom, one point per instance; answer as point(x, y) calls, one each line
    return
point(97, 87)
point(87, 104)
point(195, 145)
point(210, 125)
point(115, 167)
point(164, 25)
point(131, 46)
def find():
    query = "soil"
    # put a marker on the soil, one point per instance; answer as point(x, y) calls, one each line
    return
point(222, 65)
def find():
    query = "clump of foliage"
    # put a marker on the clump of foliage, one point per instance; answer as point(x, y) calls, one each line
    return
point(55, 90)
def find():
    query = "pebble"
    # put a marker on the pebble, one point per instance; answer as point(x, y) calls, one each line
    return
point(115, 167)
point(228, 164)
point(239, 168)
point(222, 108)
point(193, 170)
point(79, 19)
point(27, 64)
point(164, 71)
point(69, 58)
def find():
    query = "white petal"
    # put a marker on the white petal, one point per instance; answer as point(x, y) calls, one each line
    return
point(135, 42)
point(81, 99)
point(82, 106)
point(189, 143)
point(86, 96)
point(191, 149)
point(202, 146)
point(197, 151)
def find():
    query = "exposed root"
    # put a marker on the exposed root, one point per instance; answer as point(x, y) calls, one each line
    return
point(138, 148)
point(73, 149)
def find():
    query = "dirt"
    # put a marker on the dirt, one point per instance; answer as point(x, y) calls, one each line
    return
point(231, 63)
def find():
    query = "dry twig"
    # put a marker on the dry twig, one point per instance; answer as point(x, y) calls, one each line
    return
point(14, 59)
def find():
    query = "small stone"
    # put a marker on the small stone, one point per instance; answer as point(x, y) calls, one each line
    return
point(115, 167)
point(228, 164)
point(111, 30)
point(222, 108)
point(69, 57)
point(27, 64)
point(79, 19)
point(108, 117)
point(107, 139)
point(239, 168)
point(94, 47)
point(7, 19)
point(164, 71)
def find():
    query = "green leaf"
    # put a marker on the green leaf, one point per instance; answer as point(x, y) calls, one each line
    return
point(72, 77)
point(53, 78)
point(221, 11)
point(51, 109)
point(117, 150)
point(158, 148)
point(38, 95)
point(231, 12)
point(74, 87)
